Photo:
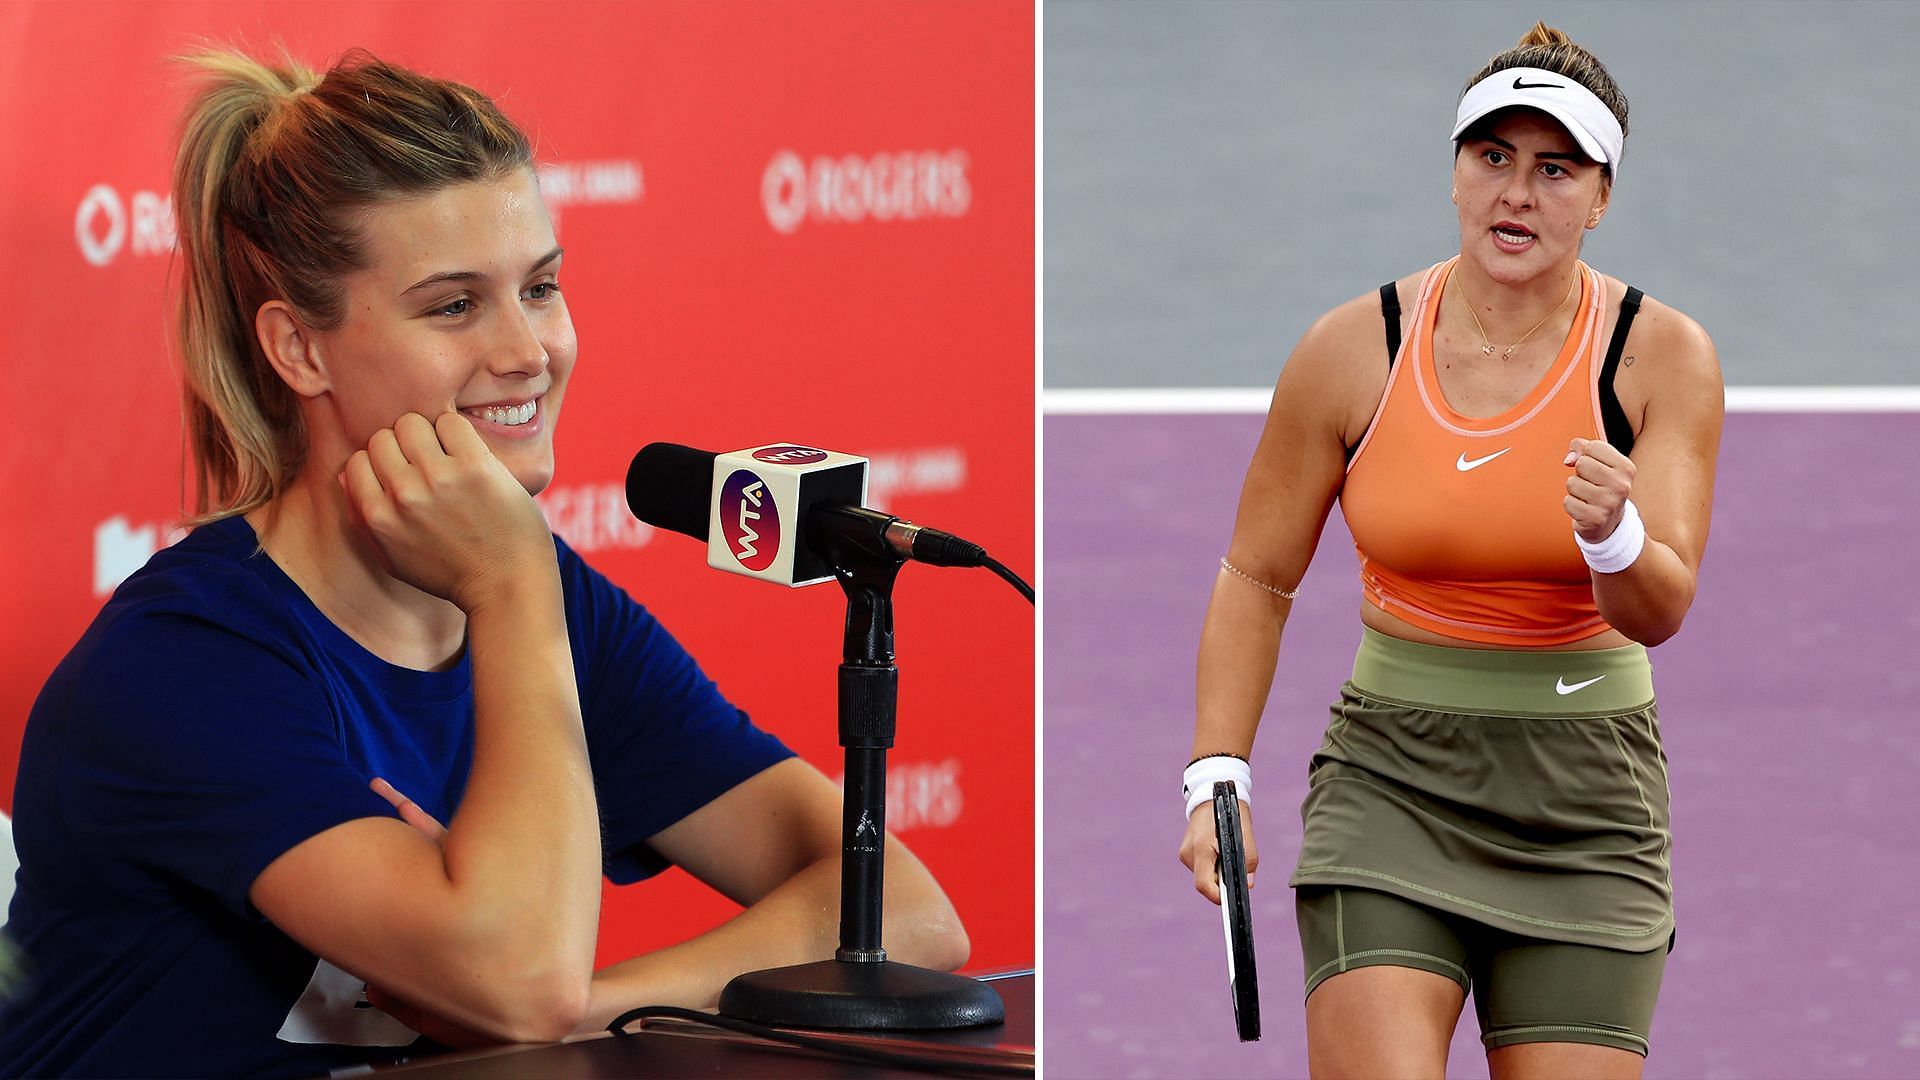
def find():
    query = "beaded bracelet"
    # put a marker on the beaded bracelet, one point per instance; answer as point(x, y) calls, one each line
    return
point(1232, 569)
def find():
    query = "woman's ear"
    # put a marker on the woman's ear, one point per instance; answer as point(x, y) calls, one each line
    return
point(292, 348)
point(1600, 205)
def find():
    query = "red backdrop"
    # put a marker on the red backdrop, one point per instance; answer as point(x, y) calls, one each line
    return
point(809, 222)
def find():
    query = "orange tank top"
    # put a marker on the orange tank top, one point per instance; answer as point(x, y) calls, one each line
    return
point(1458, 520)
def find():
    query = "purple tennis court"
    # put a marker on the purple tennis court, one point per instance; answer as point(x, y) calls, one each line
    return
point(1787, 703)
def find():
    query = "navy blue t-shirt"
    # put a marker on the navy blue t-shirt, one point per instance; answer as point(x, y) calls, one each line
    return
point(212, 718)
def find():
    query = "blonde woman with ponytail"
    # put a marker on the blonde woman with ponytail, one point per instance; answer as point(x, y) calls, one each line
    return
point(345, 766)
point(1523, 449)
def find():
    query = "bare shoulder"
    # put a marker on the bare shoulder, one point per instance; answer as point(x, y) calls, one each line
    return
point(1684, 349)
point(1681, 372)
point(1343, 333)
point(1339, 368)
point(1358, 323)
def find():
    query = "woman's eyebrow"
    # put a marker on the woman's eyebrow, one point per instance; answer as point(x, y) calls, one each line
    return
point(474, 275)
point(1544, 156)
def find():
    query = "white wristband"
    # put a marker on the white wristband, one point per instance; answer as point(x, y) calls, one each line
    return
point(1620, 548)
point(1196, 784)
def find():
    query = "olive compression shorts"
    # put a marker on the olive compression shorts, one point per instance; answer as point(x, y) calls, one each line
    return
point(1525, 990)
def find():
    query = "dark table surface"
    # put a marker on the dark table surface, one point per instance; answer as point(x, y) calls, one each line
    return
point(681, 1050)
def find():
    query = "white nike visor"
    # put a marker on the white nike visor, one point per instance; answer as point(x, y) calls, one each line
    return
point(1578, 109)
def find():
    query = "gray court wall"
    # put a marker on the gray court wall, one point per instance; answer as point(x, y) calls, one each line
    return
point(1217, 174)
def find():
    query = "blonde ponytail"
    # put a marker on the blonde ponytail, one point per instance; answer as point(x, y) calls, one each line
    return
point(241, 420)
point(1542, 34)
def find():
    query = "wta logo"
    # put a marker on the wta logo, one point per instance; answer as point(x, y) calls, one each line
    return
point(789, 455)
point(749, 520)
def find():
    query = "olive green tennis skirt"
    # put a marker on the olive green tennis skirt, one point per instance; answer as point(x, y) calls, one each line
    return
point(1526, 791)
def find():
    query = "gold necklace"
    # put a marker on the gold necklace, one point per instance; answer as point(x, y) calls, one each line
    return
point(1489, 346)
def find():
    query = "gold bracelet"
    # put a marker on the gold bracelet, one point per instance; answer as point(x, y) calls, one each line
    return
point(1232, 569)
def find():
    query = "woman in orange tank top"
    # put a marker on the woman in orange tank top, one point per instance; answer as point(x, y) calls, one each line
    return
point(1528, 475)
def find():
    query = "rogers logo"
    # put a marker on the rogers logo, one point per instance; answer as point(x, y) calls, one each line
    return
point(845, 190)
point(102, 224)
point(789, 455)
point(749, 521)
point(100, 201)
point(593, 517)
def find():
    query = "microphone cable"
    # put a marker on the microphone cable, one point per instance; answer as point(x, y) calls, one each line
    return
point(1012, 578)
point(837, 1048)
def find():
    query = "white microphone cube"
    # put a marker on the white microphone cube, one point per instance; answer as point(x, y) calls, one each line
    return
point(761, 497)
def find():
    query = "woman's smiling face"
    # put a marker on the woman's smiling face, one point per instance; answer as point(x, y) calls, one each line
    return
point(458, 307)
point(1525, 194)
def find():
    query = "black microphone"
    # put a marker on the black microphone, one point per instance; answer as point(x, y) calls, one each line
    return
point(777, 512)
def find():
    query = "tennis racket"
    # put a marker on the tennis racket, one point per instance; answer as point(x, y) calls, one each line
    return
point(1236, 912)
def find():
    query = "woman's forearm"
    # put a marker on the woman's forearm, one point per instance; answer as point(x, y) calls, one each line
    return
point(796, 923)
point(1239, 647)
point(1648, 600)
point(523, 852)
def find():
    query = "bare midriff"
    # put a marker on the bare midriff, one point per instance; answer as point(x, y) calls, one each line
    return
point(1375, 619)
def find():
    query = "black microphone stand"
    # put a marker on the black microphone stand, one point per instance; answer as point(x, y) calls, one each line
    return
point(860, 988)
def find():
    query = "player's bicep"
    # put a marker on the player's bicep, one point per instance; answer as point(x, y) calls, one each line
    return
point(1675, 453)
point(759, 833)
point(372, 896)
point(1300, 462)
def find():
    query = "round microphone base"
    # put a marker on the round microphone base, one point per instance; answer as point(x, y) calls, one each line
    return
point(879, 996)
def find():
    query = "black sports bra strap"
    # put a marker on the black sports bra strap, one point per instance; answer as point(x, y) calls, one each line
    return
point(1614, 419)
point(1390, 311)
point(1629, 307)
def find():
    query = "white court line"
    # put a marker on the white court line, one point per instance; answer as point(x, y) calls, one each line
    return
point(1254, 399)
